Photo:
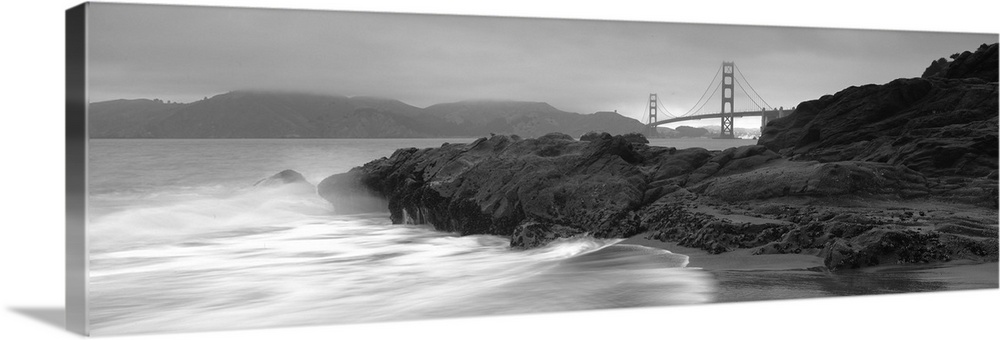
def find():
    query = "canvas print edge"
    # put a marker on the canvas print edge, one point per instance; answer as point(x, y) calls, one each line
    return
point(68, 174)
point(76, 169)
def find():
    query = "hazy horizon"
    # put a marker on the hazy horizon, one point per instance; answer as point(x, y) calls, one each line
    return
point(582, 66)
point(708, 123)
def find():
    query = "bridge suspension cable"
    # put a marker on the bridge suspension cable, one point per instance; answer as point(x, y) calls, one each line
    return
point(692, 110)
point(751, 98)
point(659, 105)
point(692, 113)
point(766, 105)
point(659, 109)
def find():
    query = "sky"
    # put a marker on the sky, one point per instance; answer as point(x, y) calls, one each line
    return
point(184, 54)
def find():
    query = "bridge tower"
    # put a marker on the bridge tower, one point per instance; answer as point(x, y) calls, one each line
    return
point(727, 98)
point(650, 128)
point(652, 108)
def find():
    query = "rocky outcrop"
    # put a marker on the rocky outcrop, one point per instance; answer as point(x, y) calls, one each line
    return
point(704, 231)
point(817, 179)
point(981, 64)
point(496, 185)
point(493, 185)
point(940, 125)
point(539, 190)
point(632, 137)
point(882, 245)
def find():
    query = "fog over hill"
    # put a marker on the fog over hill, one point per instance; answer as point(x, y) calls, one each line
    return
point(258, 114)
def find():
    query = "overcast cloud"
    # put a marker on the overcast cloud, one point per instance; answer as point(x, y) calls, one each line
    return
point(187, 53)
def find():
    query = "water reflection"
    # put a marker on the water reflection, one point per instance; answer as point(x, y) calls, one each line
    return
point(735, 285)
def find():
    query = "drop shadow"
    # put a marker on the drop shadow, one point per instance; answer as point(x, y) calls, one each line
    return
point(53, 316)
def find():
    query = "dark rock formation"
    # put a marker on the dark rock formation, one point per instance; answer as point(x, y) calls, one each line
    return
point(700, 230)
point(493, 185)
point(816, 179)
point(538, 190)
point(935, 125)
point(935, 69)
point(535, 234)
point(635, 137)
point(892, 246)
point(981, 64)
point(632, 137)
point(593, 135)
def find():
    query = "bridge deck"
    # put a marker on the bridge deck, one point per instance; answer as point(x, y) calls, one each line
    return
point(770, 113)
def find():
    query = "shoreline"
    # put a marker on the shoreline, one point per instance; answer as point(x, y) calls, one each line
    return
point(739, 259)
point(742, 276)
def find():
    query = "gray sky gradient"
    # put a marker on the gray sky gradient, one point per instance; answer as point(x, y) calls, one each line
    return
point(186, 53)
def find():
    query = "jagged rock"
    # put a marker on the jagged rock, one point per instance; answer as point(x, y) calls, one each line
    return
point(533, 234)
point(935, 68)
point(594, 135)
point(492, 185)
point(816, 179)
point(636, 138)
point(936, 125)
point(733, 160)
point(981, 64)
point(633, 137)
point(882, 246)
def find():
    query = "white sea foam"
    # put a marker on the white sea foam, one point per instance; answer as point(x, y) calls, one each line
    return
point(184, 214)
point(194, 255)
point(361, 268)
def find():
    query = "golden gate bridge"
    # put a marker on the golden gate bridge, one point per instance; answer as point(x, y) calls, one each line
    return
point(752, 105)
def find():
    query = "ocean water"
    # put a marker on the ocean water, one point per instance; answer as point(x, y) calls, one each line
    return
point(181, 240)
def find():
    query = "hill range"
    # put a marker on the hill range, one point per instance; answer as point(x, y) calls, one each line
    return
point(260, 114)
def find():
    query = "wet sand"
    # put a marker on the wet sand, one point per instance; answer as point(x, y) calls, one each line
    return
point(744, 277)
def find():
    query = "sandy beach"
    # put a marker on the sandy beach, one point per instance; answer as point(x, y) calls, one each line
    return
point(742, 276)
